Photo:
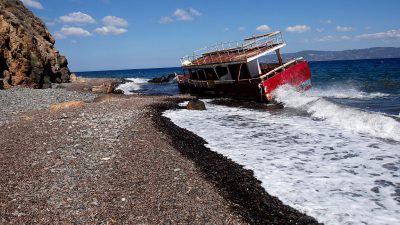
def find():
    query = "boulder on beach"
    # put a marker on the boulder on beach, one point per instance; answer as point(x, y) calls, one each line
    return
point(27, 53)
point(196, 104)
point(107, 88)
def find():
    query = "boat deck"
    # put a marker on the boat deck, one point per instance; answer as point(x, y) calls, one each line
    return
point(231, 55)
point(235, 52)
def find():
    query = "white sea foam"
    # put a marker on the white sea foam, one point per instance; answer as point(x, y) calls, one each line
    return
point(139, 80)
point(135, 84)
point(377, 125)
point(333, 174)
point(347, 93)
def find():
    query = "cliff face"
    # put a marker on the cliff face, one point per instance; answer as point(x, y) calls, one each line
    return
point(27, 53)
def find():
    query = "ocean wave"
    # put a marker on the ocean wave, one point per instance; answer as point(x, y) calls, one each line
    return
point(133, 84)
point(377, 125)
point(138, 80)
point(345, 93)
point(333, 174)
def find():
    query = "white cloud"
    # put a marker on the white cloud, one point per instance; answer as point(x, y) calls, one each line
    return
point(391, 34)
point(33, 4)
point(165, 20)
point(110, 30)
point(333, 38)
point(115, 21)
point(77, 18)
point(182, 15)
point(72, 31)
point(319, 30)
point(343, 29)
point(298, 29)
point(263, 28)
point(326, 21)
point(194, 12)
point(241, 28)
point(226, 29)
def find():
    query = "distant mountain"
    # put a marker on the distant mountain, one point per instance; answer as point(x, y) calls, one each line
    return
point(369, 53)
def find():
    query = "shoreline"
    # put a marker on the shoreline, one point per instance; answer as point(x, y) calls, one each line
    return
point(233, 181)
point(238, 194)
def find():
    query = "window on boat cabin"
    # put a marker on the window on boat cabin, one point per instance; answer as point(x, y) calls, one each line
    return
point(254, 68)
point(244, 72)
point(221, 71)
point(211, 75)
point(239, 71)
point(202, 74)
point(234, 69)
point(193, 74)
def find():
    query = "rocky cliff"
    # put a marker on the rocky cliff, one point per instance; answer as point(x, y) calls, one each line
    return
point(27, 53)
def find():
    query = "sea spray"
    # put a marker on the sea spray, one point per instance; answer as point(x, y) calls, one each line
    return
point(377, 125)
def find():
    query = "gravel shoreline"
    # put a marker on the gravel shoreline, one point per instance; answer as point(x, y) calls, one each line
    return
point(233, 181)
point(117, 160)
point(101, 163)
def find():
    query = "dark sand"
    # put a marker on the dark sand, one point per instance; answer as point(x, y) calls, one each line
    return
point(116, 160)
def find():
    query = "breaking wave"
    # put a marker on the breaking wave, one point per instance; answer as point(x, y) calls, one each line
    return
point(377, 125)
point(346, 93)
point(132, 85)
point(333, 174)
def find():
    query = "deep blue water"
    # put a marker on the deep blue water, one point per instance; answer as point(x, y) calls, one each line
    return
point(372, 85)
point(134, 73)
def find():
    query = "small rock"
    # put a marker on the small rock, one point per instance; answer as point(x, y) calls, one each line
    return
point(106, 159)
point(196, 105)
point(375, 189)
point(74, 78)
point(118, 91)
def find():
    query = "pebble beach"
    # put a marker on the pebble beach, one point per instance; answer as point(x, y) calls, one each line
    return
point(113, 159)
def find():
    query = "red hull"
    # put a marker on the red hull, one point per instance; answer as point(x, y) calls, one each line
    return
point(298, 76)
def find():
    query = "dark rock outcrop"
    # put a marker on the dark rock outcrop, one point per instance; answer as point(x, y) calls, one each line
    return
point(27, 53)
point(163, 79)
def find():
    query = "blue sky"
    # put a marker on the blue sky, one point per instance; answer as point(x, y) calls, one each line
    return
point(127, 34)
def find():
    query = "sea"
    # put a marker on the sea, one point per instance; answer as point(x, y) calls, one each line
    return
point(332, 152)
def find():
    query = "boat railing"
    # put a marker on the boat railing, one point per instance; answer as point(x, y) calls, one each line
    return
point(282, 67)
point(232, 51)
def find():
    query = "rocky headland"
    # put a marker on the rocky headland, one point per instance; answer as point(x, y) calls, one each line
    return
point(28, 56)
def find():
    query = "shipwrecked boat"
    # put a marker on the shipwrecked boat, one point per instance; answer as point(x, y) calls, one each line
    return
point(243, 69)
